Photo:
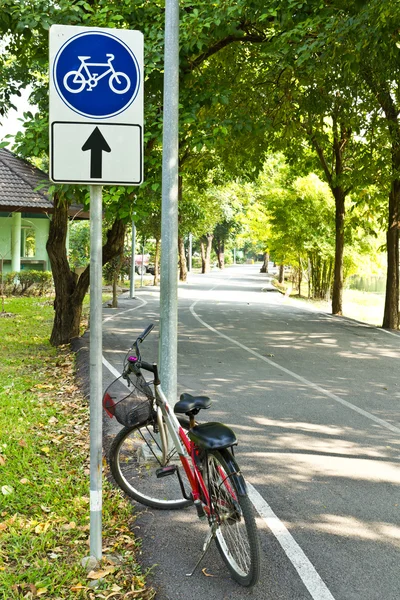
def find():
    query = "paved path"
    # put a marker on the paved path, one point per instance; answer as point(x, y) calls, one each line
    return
point(315, 403)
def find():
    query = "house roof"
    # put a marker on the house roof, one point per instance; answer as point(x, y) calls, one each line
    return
point(19, 181)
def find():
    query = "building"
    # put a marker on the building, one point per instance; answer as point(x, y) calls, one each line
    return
point(25, 213)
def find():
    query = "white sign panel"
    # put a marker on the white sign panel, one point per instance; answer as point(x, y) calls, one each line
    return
point(96, 105)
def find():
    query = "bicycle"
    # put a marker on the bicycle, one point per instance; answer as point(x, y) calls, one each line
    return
point(75, 81)
point(163, 459)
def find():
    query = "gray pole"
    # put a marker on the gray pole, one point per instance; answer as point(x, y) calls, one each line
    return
point(234, 256)
point(190, 252)
point(95, 371)
point(168, 349)
point(132, 283)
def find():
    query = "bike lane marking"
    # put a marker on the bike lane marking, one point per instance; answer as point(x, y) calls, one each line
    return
point(110, 317)
point(304, 567)
point(303, 380)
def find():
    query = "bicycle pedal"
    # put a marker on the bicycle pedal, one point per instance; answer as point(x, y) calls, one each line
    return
point(165, 471)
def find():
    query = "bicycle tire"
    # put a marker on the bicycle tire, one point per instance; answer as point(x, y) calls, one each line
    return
point(236, 536)
point(133, 464)
point(114, 78)
point(75, 75)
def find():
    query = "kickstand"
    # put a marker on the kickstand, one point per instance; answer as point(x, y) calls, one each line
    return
point(206, 545)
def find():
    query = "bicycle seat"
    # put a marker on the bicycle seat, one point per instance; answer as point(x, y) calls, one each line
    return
point(212, 436)
point(191, 404)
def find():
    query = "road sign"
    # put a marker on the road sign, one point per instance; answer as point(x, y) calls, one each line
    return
point(96, 105)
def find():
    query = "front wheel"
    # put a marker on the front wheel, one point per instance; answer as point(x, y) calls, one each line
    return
point(119, 83)
point(134, 458)
point(236, 536)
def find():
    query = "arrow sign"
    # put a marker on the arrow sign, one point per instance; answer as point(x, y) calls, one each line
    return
point(97, 144)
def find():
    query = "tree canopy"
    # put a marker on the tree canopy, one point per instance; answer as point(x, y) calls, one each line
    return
point(317, 82)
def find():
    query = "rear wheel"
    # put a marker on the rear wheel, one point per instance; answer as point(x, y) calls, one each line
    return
point(135, 456)
point(236, 537)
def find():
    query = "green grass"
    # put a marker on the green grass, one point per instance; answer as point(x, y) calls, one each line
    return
point(44, 472)
point(366, 307)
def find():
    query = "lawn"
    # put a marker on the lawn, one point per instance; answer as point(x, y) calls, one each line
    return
point(362, 306)
point(44, 474)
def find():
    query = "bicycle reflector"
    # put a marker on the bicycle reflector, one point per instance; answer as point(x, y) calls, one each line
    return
point(109, 405)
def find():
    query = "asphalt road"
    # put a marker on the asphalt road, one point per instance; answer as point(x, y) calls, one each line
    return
point(315, 403)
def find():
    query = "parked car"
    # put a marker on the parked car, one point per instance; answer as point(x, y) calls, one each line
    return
point(142, 263)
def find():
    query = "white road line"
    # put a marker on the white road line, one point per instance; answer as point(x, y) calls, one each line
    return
point(113, 370)
point(125, 311)
point(299, 560)
point(303, 380)
point(304, 567)
point(105, 362)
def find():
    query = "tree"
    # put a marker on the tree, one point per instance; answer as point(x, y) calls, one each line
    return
point(301, 216)
point(79, 244)
point(70, 291)
point(361, 40)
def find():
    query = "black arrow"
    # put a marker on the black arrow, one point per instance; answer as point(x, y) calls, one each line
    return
point(97, 144)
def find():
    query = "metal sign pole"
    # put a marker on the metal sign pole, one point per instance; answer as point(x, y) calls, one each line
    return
point(90, 145)
point(95, 371)
point(168, 350)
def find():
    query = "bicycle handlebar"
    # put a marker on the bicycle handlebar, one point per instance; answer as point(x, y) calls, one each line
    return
point(135, 363)
point(145, 333)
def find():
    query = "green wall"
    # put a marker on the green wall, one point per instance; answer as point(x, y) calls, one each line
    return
point(40, 224)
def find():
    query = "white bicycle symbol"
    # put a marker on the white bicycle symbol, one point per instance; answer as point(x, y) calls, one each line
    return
point(76, 81)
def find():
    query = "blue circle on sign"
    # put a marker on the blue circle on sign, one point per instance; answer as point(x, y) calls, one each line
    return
point(96, 75)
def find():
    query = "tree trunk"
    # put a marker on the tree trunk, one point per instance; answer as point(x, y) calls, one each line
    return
point(337, 292)
point(157, 263)
point(383, 92)
point(67, 316)
point(280, 278)
point(203, 256)
point(114, 302)
point(391, 313)
point(300, 276)
point(69, 290)
point(182, 259)
point(264, 268)
point(205, 246)
point(220, 250)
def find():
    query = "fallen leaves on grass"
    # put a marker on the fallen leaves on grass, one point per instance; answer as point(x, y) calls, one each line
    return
point(61, 530)
point(78, 588)
point(100, 574)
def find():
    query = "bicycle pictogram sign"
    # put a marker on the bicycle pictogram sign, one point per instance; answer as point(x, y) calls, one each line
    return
point(84, 78)
point(99, 63)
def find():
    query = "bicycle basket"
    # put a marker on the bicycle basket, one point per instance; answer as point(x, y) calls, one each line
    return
point(129, 405)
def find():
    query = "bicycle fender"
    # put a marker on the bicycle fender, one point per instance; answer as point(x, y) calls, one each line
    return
point(236, 475)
